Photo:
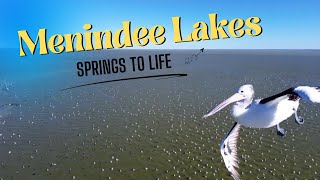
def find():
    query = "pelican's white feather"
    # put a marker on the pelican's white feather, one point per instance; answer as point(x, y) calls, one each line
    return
point(310, 94)
point(228, 151)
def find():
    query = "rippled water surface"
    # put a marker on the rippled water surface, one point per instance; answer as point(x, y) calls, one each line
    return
point(151, 128)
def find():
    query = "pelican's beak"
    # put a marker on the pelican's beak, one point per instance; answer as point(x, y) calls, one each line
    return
point(235, 98)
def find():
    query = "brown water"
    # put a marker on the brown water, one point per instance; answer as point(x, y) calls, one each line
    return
point(149, 128)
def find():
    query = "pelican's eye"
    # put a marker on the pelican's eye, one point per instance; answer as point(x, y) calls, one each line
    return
point(241, 91)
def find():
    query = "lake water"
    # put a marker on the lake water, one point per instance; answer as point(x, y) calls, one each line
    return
point(151, 128)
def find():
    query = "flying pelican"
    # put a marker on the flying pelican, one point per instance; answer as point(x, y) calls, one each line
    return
point(261, 113)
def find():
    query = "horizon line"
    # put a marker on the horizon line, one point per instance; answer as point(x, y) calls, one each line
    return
point(129, 48)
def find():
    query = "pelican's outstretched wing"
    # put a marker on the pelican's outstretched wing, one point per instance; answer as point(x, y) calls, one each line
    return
point(289, 93)
point(309, 94)
point(228, 150)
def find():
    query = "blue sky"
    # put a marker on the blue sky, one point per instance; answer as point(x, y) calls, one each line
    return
point(286, 23)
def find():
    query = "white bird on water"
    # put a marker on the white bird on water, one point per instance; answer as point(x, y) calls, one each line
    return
point(261, 113)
